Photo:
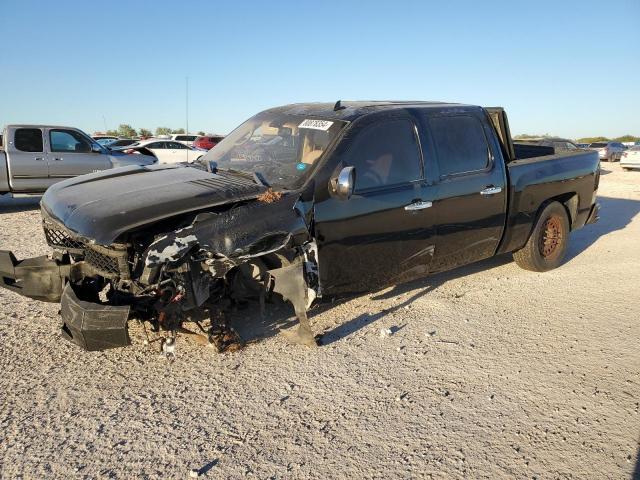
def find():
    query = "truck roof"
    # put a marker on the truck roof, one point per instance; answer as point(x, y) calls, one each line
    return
point(38, 126)
point(350, 110)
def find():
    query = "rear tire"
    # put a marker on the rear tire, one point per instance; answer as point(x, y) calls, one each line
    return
point(548, 242)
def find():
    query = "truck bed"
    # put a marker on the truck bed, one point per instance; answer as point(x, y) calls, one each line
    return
point(534, 180)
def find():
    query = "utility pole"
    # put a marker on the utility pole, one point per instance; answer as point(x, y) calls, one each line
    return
point(187, 104)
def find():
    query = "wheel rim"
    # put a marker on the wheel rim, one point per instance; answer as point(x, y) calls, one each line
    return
point(551, 237)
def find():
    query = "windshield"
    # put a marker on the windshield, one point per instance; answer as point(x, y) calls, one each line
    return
point(281, 148)
point(598, 145)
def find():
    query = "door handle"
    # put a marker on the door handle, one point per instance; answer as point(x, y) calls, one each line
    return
point(490, 190)
point(58, 159)
point(40, 159)
point(418, 206)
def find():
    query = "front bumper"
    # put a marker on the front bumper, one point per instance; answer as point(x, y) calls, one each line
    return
point(93, 326)
point(624, 164)
point(39, 278)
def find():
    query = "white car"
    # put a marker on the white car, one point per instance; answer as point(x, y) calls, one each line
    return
point(631, 158)
point(166, 151)
point(609, 151)
point(184, 138)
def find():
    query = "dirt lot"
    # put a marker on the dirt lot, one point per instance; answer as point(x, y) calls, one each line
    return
point(491, 371)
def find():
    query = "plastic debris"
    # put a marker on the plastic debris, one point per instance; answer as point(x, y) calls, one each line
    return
point(169, 348)
point(385, 332)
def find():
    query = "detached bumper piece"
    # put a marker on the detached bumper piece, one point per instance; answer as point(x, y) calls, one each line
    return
point(594, 216)
point(93, 326)
point(39, 278)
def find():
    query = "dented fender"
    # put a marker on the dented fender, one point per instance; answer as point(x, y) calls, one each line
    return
point(234, 236)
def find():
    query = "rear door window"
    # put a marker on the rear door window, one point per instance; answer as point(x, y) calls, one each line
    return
point(385, 154)
point(461, 144)
point(29, 140)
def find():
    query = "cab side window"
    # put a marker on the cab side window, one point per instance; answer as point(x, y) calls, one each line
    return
point(28, 140)
point(385, 154)
point(68, 141)
point(460, 143)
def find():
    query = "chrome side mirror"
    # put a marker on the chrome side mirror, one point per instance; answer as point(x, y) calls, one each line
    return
point(342, 185)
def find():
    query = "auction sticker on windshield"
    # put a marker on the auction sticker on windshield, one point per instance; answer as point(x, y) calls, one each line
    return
point(316, 124)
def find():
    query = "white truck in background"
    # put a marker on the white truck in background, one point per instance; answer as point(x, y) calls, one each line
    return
point(34, 157)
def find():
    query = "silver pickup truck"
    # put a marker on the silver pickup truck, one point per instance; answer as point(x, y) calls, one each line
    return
point(34, 157)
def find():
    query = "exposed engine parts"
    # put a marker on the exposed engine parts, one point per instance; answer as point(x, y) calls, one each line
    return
point(193, 276)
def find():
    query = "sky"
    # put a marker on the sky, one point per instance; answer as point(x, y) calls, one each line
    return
point(568, 68)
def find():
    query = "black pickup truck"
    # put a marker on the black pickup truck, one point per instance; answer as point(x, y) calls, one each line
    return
point(306, 201)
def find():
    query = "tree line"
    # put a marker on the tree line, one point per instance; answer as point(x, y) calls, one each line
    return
point(127, 131)
point(623, 138)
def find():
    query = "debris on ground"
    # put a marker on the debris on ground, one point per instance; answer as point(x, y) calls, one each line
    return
point(385, 332)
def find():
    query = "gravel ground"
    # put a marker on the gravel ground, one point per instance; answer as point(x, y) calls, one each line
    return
point(491, 371)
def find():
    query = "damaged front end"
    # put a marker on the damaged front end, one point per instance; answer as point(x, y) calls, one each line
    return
point(208, 262)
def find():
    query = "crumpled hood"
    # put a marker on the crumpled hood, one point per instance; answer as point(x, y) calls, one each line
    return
point(101, 206)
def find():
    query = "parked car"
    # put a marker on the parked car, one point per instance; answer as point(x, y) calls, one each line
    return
point(207, 142)
point(185, 139)
point(609, 151)
point(558, 144)
point(305, 201)
point(122, 142)
point(105, 139)
point(166, 151)
point(631, 158)
point(37, 156)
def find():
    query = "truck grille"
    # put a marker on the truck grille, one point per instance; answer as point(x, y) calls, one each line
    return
point(58, 238)
point(110, 266)
point(107, 262)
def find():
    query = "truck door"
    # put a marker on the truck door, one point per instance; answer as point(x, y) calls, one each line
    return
point(470, 200)
point(71, 154)
point(27, 160)
point(383, 234)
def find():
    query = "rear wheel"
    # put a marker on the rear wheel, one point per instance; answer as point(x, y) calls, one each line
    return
point(548, 242)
